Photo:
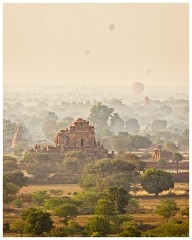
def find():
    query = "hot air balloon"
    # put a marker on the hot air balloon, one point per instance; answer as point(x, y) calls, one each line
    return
point(138, 88)
point(111, 27)
point(87, 52)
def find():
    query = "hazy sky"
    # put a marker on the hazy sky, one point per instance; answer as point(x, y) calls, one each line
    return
point(47, 44)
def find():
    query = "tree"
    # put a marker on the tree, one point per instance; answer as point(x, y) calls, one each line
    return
point(132, 126)
point(66, 211)
point(36, 222)
point(56, 192)
point(18, 202)
point(177, 158)
point(158, 125)
point(17, 227)
point(162, 162)
point(137, 141)
point(140, 166)
point(73, 228)
point(99, 115)
point(9, 165)
point(9, 158)
point(119, 142)
point(40, 171)
point(36, 157)
point(130, 229)
point(167, 209)
point(87, 200)
point(119, 197)
point(107, 172)
point(39, 197)
point(9, 191)
point(156, 181)
point(170, 146)
point(185, 212)
point(116, 123)
point(105, 207)
point(17, 178)
point(54, 202)
point(129, 157)
point(98, 224)
point(170, 229)
point(49, 116)
point(118, 220)
point(57, 232)
point(49, 128)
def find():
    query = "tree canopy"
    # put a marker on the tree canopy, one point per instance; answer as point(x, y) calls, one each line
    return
point(156, 181)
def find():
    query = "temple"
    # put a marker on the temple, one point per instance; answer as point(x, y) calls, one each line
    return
point(18, 141)
point(79, 137)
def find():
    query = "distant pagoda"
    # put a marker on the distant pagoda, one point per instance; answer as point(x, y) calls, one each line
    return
point(18, 140)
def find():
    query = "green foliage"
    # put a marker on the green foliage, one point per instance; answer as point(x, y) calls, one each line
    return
point(119, 197)
point(17, 226)
point(100, 225)
point(96, 234)
point(185, 212)
point(9, 191)
point(167, 209)
point(99, 115)
point(9, 158)
point(134, 142)
point(119, 142)
point(56, 192)
point(177, 158)
point(31, 157)
point(16, 177)
point(127, 142)
point(119, 180)
point(117, 221)
point(130, 229)
point(106, 167)
point(18, 202)
point(107, 173)
point(104, 207)
point(156, 181)
point(162, 162)
point(54, 202)
point(66, 211)
point(36, 222)
point(39, 170)
point(128, 157)
point(170, 229)
point(9, 165)
point(87, 200)
point(57, 232)
point(74, 161)
point(73, 228)
point(39, 197)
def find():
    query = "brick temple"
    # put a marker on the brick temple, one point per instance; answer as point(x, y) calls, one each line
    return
point(79, 137)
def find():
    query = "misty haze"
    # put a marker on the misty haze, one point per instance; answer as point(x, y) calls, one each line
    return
point(96, 120)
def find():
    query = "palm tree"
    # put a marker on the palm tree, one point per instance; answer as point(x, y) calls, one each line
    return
point(177, 158)
point(162, 162)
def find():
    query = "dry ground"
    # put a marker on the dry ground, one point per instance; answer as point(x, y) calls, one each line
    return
point(66, 188)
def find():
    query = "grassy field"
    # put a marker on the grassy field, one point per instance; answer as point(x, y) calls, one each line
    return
point(180, 188)
point(144, 213)
point(66, 188)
